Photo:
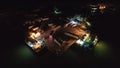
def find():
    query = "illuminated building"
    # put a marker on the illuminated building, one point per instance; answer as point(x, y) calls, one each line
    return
point(98, 8)
point(58, 38)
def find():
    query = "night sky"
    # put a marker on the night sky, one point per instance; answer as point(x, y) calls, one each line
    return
point(15, 53)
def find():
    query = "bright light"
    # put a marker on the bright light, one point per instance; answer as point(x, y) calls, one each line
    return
point(86, 37)
point(37, 34)
point(76, 19)
point(73, 22)
point(34, 29)
point(57, 12)
point(32, 35)
point(40, 42)
point(30, 44)
point(37, 46)
point(88, 23)
point(51, 38)
point(96, 40)
point(80, 42)
point(83, 26)
point(94, 9)
point(79, 18)
point(102, 7)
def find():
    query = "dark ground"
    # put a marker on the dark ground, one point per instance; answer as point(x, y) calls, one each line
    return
point(15, 53)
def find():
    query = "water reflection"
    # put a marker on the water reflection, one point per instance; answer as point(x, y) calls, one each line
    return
point(23, 54)
point(102, 50)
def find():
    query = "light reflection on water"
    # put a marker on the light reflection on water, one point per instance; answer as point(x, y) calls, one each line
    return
point(23, 54)
point(102, 50)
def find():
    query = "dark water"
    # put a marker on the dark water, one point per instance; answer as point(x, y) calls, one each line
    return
point(15, 53)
